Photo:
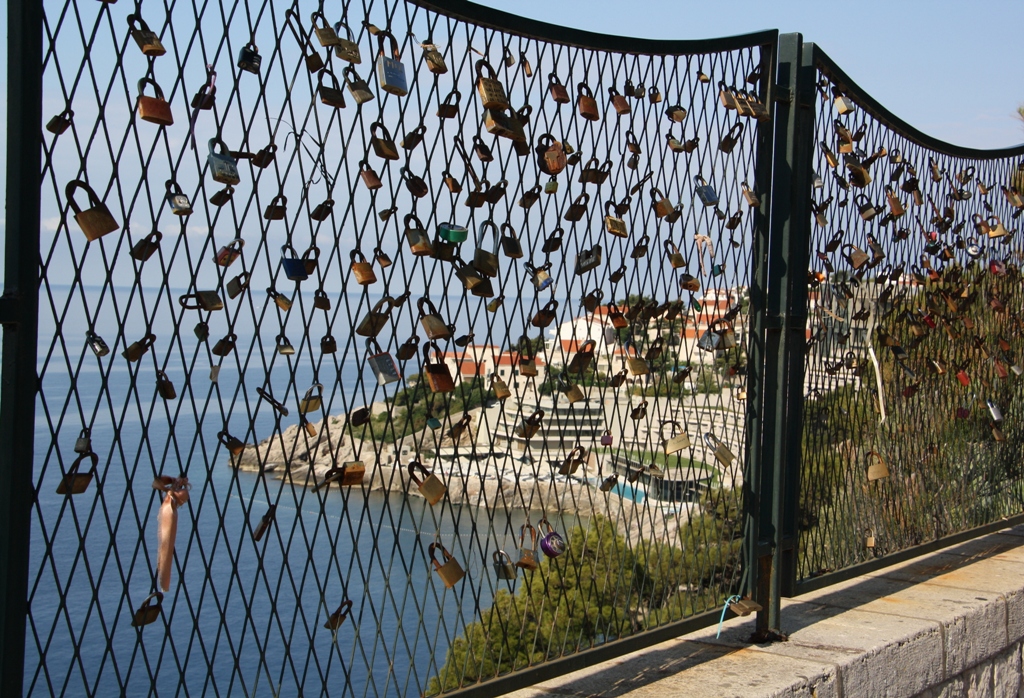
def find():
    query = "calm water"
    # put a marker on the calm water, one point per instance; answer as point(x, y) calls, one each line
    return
point(265, 602)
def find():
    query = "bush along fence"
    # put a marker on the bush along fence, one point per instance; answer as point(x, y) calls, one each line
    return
point(419, 348)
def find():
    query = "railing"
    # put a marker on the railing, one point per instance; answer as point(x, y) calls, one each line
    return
point(181, 351)
point(752, 420)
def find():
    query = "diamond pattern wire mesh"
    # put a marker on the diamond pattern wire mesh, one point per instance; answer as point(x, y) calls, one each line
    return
point(265, 554)
point(913, 362)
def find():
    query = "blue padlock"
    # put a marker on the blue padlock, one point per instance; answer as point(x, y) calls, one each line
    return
point(293, 265)
point(390, 71)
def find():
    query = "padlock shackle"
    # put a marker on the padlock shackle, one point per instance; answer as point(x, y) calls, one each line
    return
point(88, 454)
point(445, 555)
point(133, 19)
point(386, 34)
point(533, 536)
point(413, 465)
point(69, 193)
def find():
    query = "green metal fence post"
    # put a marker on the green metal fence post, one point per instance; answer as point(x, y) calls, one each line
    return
point(18, 314)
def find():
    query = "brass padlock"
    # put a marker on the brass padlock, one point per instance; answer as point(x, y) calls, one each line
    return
point(503, 567)
point(314, 63)
point(362, 270)
point(527, 359)
point(546, 315)
point(149, 611)
point(727, 96)
point(383, 145)
point(238, 285)
point(676, 441)
point(75, 482)
point(416, 236)
point(619, 103)
point(164, 387)
point(576, 457)
point(322, 210)
point(311, 402)
point(223, 167)
point(586, 103)
point(592, 300)
point(431, 487)
point(433, 324)
point(557, 90)
point(433, 58)
point(61, 122)
point(331, 95)
point(640, 248)
point(675, 257)
point(357, 87)
point(722, 453)
point(484, 261)
point(583, 357)
point(439, 378)
point(639, 412)
point(527, 551)
point(225, 345)
point(550, 155)
point(500, 387)
point(155, 110)
point(571, 391)
point(383, 366)
point(449, 108)
point(613, 224)
point(335, 620)
point(345, 47)
point(144, 248)
point(277, 209)
point(492, 93)
point(635, 362)
point(500, 124)
point(660, 203)
point(529, 427)
point(390, 70)
point(95, 221)
point(731, 138)
point(280, 300)
point(530, 196)
point(221, 197)
point(856, 256)
point(147, 39)
point(450, 571)
point(409, 349)
point(376, 319)
point(283, 346)
point(877, 467)
point(135, 350)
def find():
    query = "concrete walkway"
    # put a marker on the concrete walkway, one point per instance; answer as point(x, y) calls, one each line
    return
point(949, 624)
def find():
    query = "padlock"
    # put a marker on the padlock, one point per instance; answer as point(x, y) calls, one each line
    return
point(277, 209)
point(383, 366)
point(586, 103)
point(231, 443)
point(540, 276)
point(294, 267)
point(577, 208)
point(705, 192)
point(856, 256)
point(571, 391)
point(486, 262)
point(249, 58)
point(500, 387)
point(225, 345)
point(237, 285)
point(83, 444)
point(546, 315)
point(550, 156)
point(676, 441)
point(614, 225)
point(376, 319)
point(492, 93)
point(147, 39)
point(551, 543)
point(450, 571)
point(409, 349)
point(433, 58)
point(164, 387)
point(434, 326)
point(383, 145)
point(640, 248)
point(419, 243)
point(528, 551)
point(347, 475)
point(361, 269)
point(335, 620)
point(390, 71)
point(731, 138)
point(322, 210)
point(95, 221)
point(503, 567)
point(752, 199)
point(877, 467)
point(727, 96)
point(654, 350)
point(675, 257)
point(331, 95)
point(499, 123)
point(588, 260)
point(996, 229)
point(135, 350)
point(529, 427)
point(993, 409)
point(639, 412)
point(223, 167)
point(325, 34)
point(369, 177)
point(144, 248)
point(583, 357)
point(482, 150)
point(722, 453)
point(75, 482)
point(635, 362)
point(149, 611)
point(283, 345)
point(557, 90)
point(843, 104)
point(1013, 196)
point(61, 122)
point(439, 378)
point(619, 103)
point(328, 344)
point(509, 243)
point(280, 300)
point(660, 203)
point(431, 487)
point(153, 109)
point(357, 87)
point(179, 203)
point(449, 108)
point(345, 47)
point(314, 63)
point(219, 198)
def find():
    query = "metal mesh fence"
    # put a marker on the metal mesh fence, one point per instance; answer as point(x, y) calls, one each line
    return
point(287, 262)
point(914, 336)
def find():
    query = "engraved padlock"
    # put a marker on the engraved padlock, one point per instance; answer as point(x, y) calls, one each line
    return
point(676, 441)
point(588, 260)
point(176, 199)
point(492, 92)
point(223, 167)
point(551, 543)
point(431, 487)
point(450, 571)
point(147, 39)
point(503, 567)
point(95, 221)
point(527, 551)
point(550, 155)
point(390, 70)
point(383, 366)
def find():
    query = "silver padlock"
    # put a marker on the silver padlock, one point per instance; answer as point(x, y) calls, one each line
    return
point(383, 365)
point(503, 567)
point(180, 205)
point(390, 71)
point(96, 343)
point(83, 444)
point(223, 167)
point(540, 275)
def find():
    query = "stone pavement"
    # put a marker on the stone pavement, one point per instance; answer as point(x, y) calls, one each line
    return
point(945, 625)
